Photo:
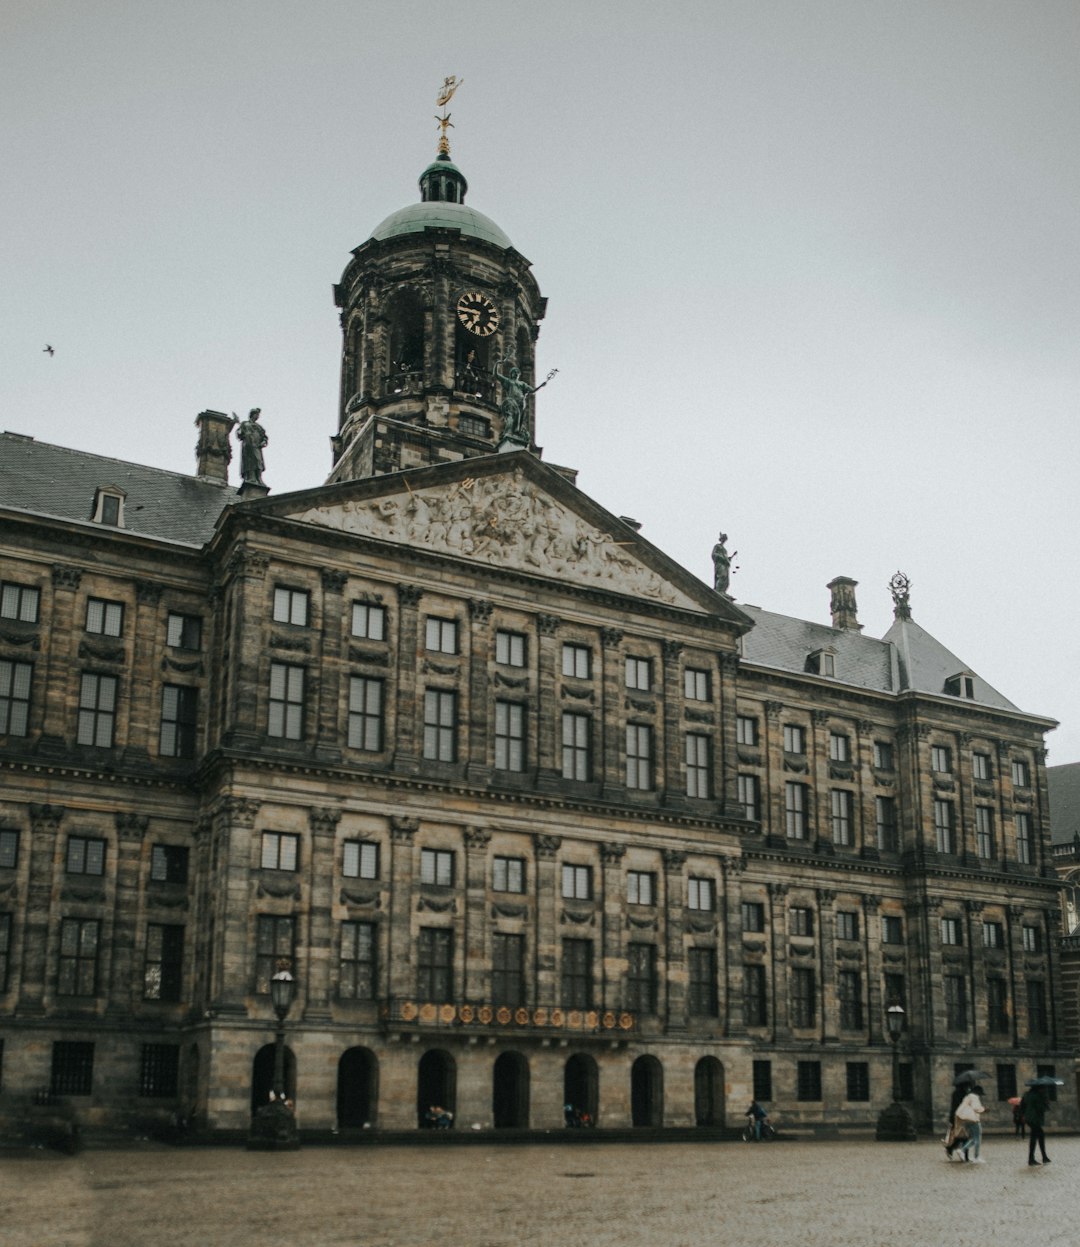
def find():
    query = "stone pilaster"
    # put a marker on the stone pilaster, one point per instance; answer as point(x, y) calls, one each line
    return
point(61, 665)
point(546, 892)
point(730, 922)
point(613, 955)
point(409, 694)
point(247, 607)
point(477, 959)
point(675, 938)
point(233, 954)
point(727, 762)
point(318, 970)
point(479, 743)
point(777, 936)
point(671, 780)
point(549, 712)
point(331, 716)
point(612, 716)
point(45, 823)
point(875, 969)
point(125, 972)
point(147, 643)
point(826, 942)
point(402, 902)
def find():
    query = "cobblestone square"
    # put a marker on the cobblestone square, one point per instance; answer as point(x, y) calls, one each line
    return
point(817, 1194)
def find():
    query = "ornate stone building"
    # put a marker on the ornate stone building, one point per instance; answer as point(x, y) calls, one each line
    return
point(535, 817)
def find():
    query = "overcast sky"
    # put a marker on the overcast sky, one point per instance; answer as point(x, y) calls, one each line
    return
point(813, 268)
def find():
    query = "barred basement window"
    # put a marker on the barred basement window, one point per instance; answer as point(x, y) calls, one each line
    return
point(437, 867)
point(15, 697)
point(858, 1081)
point(809, 1081)
point(368, 621)
point(360, 859)
point(21, 602)
point(159, 1070)
point(72, 1068)
point(1006, 1082)
point(365, 714)
point(163, 972)
point(291, 606)
point(168, 863)
point(763, 1081)
point(356, 969)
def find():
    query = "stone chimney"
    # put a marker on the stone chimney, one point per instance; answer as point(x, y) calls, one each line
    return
point(214, 450)
point(844, 610)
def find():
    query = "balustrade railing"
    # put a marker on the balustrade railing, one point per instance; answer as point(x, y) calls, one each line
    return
point(484, 1016)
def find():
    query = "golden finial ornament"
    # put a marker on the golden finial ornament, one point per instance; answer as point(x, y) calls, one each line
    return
point(446, 91)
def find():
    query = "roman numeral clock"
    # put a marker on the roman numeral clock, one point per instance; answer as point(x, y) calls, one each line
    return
point(478, 314)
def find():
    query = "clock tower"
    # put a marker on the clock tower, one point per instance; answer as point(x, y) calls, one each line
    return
point(437, 311)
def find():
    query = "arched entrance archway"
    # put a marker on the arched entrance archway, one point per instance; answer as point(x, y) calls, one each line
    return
point(709, 1092)
point(436, 1084)
point(647, 1092)
point(357, 1089)
point(262, 1076)
point(581, 1087)
point(510, 1091)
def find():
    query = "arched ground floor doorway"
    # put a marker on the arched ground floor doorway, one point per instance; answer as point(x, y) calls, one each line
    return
point(357, 1089)
point(581, 1090)
point(647, 1092)
point(436, 1086)
point(262, 1076)
point(709, 1092)
point(510, 1091)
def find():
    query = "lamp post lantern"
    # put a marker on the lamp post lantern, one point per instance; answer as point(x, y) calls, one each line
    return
point(894, 1125)
point(273, 1126)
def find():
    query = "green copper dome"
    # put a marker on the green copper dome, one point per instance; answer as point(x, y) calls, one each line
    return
point(439, 215)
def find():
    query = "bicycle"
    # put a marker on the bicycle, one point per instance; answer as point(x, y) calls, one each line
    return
point(767, 1133)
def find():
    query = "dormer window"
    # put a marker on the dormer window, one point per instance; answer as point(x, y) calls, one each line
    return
point(962, 685)
point(109, 506)
point(822, 662)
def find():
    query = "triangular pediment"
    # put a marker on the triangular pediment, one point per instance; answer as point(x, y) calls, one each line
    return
point(523, 517)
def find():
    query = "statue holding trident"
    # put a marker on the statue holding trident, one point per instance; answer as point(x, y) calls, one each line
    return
point(515, 430)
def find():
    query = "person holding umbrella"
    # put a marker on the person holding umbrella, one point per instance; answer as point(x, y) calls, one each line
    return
point(957, 1134)
point(970, 1115)
point(1035, 1103)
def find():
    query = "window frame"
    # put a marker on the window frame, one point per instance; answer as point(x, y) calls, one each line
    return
point(86, 855)
point(699, 767)
point(435, 964)
point(795, 739)
point(639, 757)
point(697, 686)
point(366, 726)
point(179, 726)
point(366, 854)
point(182, 625)
point(77, 958)
point(16, 692)
point(286, 701)
point(511, 722)
point(746, 731)
point(99, 696)
point(506, 872)
point(577, 753)
point(104, 617)
point(15, 598)
point(511, 648)
point(440, 725)
point(163, 963)
point(508, 985)
point(278, 847)
point(275, 941)
point(367, 621)
point(641, 888)
point(847, 924)
point(638, 673)
point(440, 634)
point(291, 606)
point(576, 882)
point(796, 823)
point(576, 988)
point(701, 888)
point(358, 960)
point(842, 816)
point(575, 656)
point(839, 747)
point(169, 863)
point(642, 977)
point(437, 867)
point(702, 992)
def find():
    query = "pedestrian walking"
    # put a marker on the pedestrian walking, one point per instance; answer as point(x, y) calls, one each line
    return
point(1035, 1104)
point(970, 1114)
point(955, 1134)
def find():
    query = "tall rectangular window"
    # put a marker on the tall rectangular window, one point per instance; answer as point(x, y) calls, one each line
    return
point(839, 747)
point(280, 851)
point(104, 618)
point(748, 794)
point(5, 950)
point(639, 756)
point(169, 863)
point(368, 621)
point(434, 964)
point(510, 649)
point(696, 684)
point(576, 751)
point(85, 856)
point(746, 731)
point(1036, 1001)
point(698, 771)
point(19, 602)
point(159, 1070)
point(944, 827)
point(984, 832)
point(356, 969)
point(9, 848)
point(803, 998)
point(888, 840)
point(577, 661)
point(849, 993)
point(360, 859)
point(640, 888)
point(14, 697)
point(843, 818)
point(955, 1002)
point(179, 721)
point(509, 736)
point(808, 1081)
point(273, 943)
point(576, 976)
point(183, 631)
point(795, 811)
point(286, 719)
point(1021, 774)
point(440, 635)
point(700, 894)
point(639, 674)
point(508, 969)
point(78, 957)
point(576, 882)
point(702, 994)
point(508, 874)
point(365, 713)
point(72, 1070)
point(641, 977)
point(1022, 825)
point(883, 755)
point(755, 1002)
point(858, 1081)
point(941, 759)
point(997, 1005)
point(163, 971)
point(794, 738)
point(763, 1081)
point(291, 606)
point(440, 725)
point(97, 710)
point(437, 867)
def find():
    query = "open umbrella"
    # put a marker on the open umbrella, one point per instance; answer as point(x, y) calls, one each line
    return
point(970, 1075)
point(1045, 1080)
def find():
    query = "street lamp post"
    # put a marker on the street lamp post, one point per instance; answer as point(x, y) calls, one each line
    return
point(273, 1126)
point(895, 1124)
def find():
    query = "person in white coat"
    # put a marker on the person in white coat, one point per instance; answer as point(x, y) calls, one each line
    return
point(970, 1113)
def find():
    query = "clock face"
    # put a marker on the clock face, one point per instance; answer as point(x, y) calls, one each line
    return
point(478, 314)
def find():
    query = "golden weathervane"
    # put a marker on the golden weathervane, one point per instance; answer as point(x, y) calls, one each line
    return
point(449, 86)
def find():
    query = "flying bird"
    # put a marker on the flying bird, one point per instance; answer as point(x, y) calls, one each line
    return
point(49, 349)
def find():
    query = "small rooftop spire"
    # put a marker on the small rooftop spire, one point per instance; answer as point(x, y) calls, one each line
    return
point(900, 588)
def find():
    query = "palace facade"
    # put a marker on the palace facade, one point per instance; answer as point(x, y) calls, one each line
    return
point(534, 817)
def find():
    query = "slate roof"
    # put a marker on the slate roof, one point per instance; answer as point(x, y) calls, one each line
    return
point(1064, 785)
point(57, 482)
point(906, 658)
